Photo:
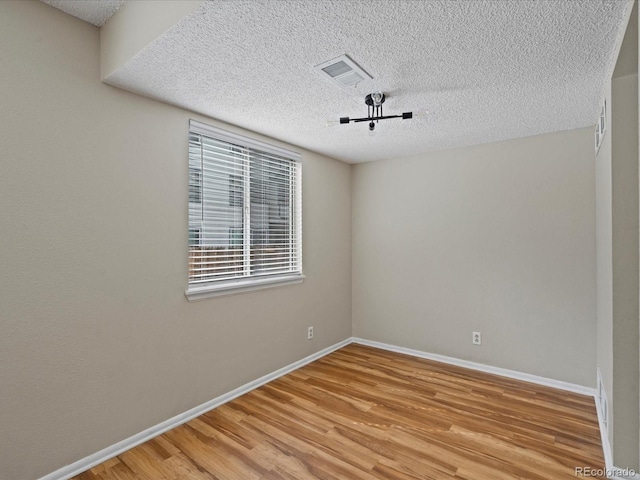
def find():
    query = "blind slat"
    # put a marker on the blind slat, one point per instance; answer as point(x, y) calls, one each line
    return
point(244, 209)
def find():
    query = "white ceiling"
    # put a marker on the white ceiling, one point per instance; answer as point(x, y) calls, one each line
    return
point(471, 71)
point(96, 12)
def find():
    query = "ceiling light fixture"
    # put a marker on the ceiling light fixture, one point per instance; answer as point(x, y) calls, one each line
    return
point(374, 103)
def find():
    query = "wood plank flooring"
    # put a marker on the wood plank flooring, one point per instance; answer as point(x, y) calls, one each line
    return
point(364, 413)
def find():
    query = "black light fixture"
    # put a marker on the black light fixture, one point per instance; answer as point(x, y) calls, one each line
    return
point(374, 103)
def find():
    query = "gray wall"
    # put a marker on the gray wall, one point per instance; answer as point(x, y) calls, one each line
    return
point(604, 267)
point(625, 269)
point(497, 238)
point(97, 340)
point(617, 254)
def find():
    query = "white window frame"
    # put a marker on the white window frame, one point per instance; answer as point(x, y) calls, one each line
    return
point(216, 288)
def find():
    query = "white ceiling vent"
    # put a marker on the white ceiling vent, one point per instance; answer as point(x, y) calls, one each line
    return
point(344, 71)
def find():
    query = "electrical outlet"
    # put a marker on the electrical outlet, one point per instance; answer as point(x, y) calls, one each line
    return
point(309, 333)
point(477, 338)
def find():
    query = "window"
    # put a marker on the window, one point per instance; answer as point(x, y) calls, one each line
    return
point(244, 213)
point(236, 193)
point(194, 237)
point(195, 185)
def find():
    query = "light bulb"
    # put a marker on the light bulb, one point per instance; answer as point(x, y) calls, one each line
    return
point(372, 127)
point(377, 98)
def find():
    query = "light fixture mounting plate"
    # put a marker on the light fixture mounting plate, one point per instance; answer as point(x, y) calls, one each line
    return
point(368, 100)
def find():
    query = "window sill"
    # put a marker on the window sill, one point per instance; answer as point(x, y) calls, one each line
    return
point(232, 287)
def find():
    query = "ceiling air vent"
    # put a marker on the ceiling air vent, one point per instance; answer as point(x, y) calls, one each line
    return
point(344, 71)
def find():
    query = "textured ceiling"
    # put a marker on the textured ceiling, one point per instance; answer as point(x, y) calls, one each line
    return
point(471, 71)
point(96, 12)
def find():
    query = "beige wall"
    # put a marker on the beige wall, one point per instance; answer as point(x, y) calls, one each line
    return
point(604, 266)
point(617, 254)
point(134, 26)
point(625, 270)
point(97, 340)
point(497, 238)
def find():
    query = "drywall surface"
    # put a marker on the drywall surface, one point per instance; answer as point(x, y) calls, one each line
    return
point(604, 266)
point(624, 155)
point(617, 254)
point(627, 60)
point(134, 26)
point(470, 71)
point(97, 339)
point(497, 238)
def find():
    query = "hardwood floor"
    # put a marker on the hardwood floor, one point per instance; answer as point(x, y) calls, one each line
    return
point(364, 413)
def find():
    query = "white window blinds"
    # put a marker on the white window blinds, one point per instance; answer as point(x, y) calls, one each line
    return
point(244, 209)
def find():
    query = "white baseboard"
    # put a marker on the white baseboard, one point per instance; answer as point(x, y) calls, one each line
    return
point(103, 455)
point(503, 372)
point(604, 435)
point(613, 472)
point(602, 421)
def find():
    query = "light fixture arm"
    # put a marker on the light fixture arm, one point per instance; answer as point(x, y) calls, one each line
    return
point(374, 103)
point(404, 116)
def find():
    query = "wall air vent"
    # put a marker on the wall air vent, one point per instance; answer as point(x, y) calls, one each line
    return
point(343, 71)
point(601, 400)
point(601, 126)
